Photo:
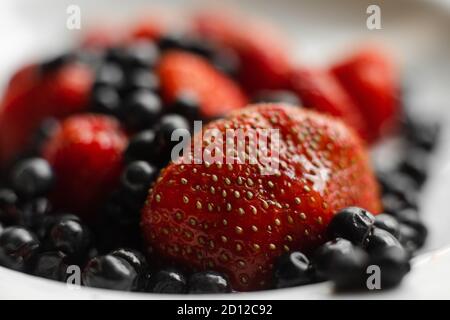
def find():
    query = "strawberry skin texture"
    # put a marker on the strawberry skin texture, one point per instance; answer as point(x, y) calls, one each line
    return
point(217, 94)
point(264, 60)
point(320, 90)
point(32, 97)
point(371, 79)
point(86, 154)
point(233, 219)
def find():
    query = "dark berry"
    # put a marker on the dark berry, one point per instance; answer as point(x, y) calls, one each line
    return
point(56, 62)
point(165, 142)
point(292, 269)
point(110, 75)
point(32, 177)
point(393, 263)
point(45, 130)
point(18, 247)
point(277, 96)
point(142, 146)
point(8, 205)
point(141, 110)
point(388, 223)
point(51, 265)
point(142, 54)
point(340, 261)
point(226, 61)
point(415, 165)
point(187, 105)
point(134, 258)
point(142, 79)
point(352, 223)
point(35, 215)
point(393, 203)
point(208, 282)
point(70, 237)
point(110, 272)
point(422, 134)
point(105, 99)
point(379, 239)
point(399, 184)
point(410, 238)
point(138, 176)
point(167, 281)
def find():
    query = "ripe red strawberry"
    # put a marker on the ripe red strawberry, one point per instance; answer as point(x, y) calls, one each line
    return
point(264, 60)
point(86, 155)
point(371, 79)
point(181, 71)
point(233, 219)
point(31, 97)
point(320, 90)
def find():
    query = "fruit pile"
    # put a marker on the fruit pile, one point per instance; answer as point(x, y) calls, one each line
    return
point(86, 175)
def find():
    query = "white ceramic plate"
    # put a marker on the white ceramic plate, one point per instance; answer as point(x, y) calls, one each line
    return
point(416, 31)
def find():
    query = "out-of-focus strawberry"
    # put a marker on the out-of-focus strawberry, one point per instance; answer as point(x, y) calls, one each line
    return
point(85, 153)
point(185, 72)
point(263, 55)
point(372, 80)
point(320, 90)
point(33, 96)
point(231, 218)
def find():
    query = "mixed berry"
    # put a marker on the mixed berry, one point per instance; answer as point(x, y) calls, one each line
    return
point(88, 176)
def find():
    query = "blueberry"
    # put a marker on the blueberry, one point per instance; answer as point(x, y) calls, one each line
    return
point(340, 261)
point(393, 263)
point(70, 237)
point(110, 75)
point(393, 203)
point(208, 282)
point(55, 63)
point(415, 165)
point(51, 265)
point(142, 146)
point(422, 134)
point(105, 99)
point(388, 223)
point(292, 269)
point(187, 105)
point(134, 258)
point(141, 110)
point(137, 177)
point(110, 272)
point(32, 177)
point(379, 239)
point(410, 238)
point(277, 96)
point(167, 281)
point(397, 182)
point(168, 124)
point(8, 205)
point(18, 247)
point(43, 133)
point(142, 79)
point(226, 61)
point(352, 223)
point(142, 54)
point(35, 215)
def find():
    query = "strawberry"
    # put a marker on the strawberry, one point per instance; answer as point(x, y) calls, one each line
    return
point(320, 90)
point(372, 81)
point(264, 60)
point(85, 153)
point(182, 71)
point(233, 219)
point(31, 97)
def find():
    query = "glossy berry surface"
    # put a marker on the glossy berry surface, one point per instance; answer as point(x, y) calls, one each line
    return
point(394, 265)
point(70, 237)
point(142, 146)
point(380, 239)
point(388, 223)
point(110, 272)
point(51, 265)
point(208, 282)
point(292, 269)
point(18, 247)
point(167, 281)
point(33, 177)
point(141, 110)
point(351, 223)
point(137, 177)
